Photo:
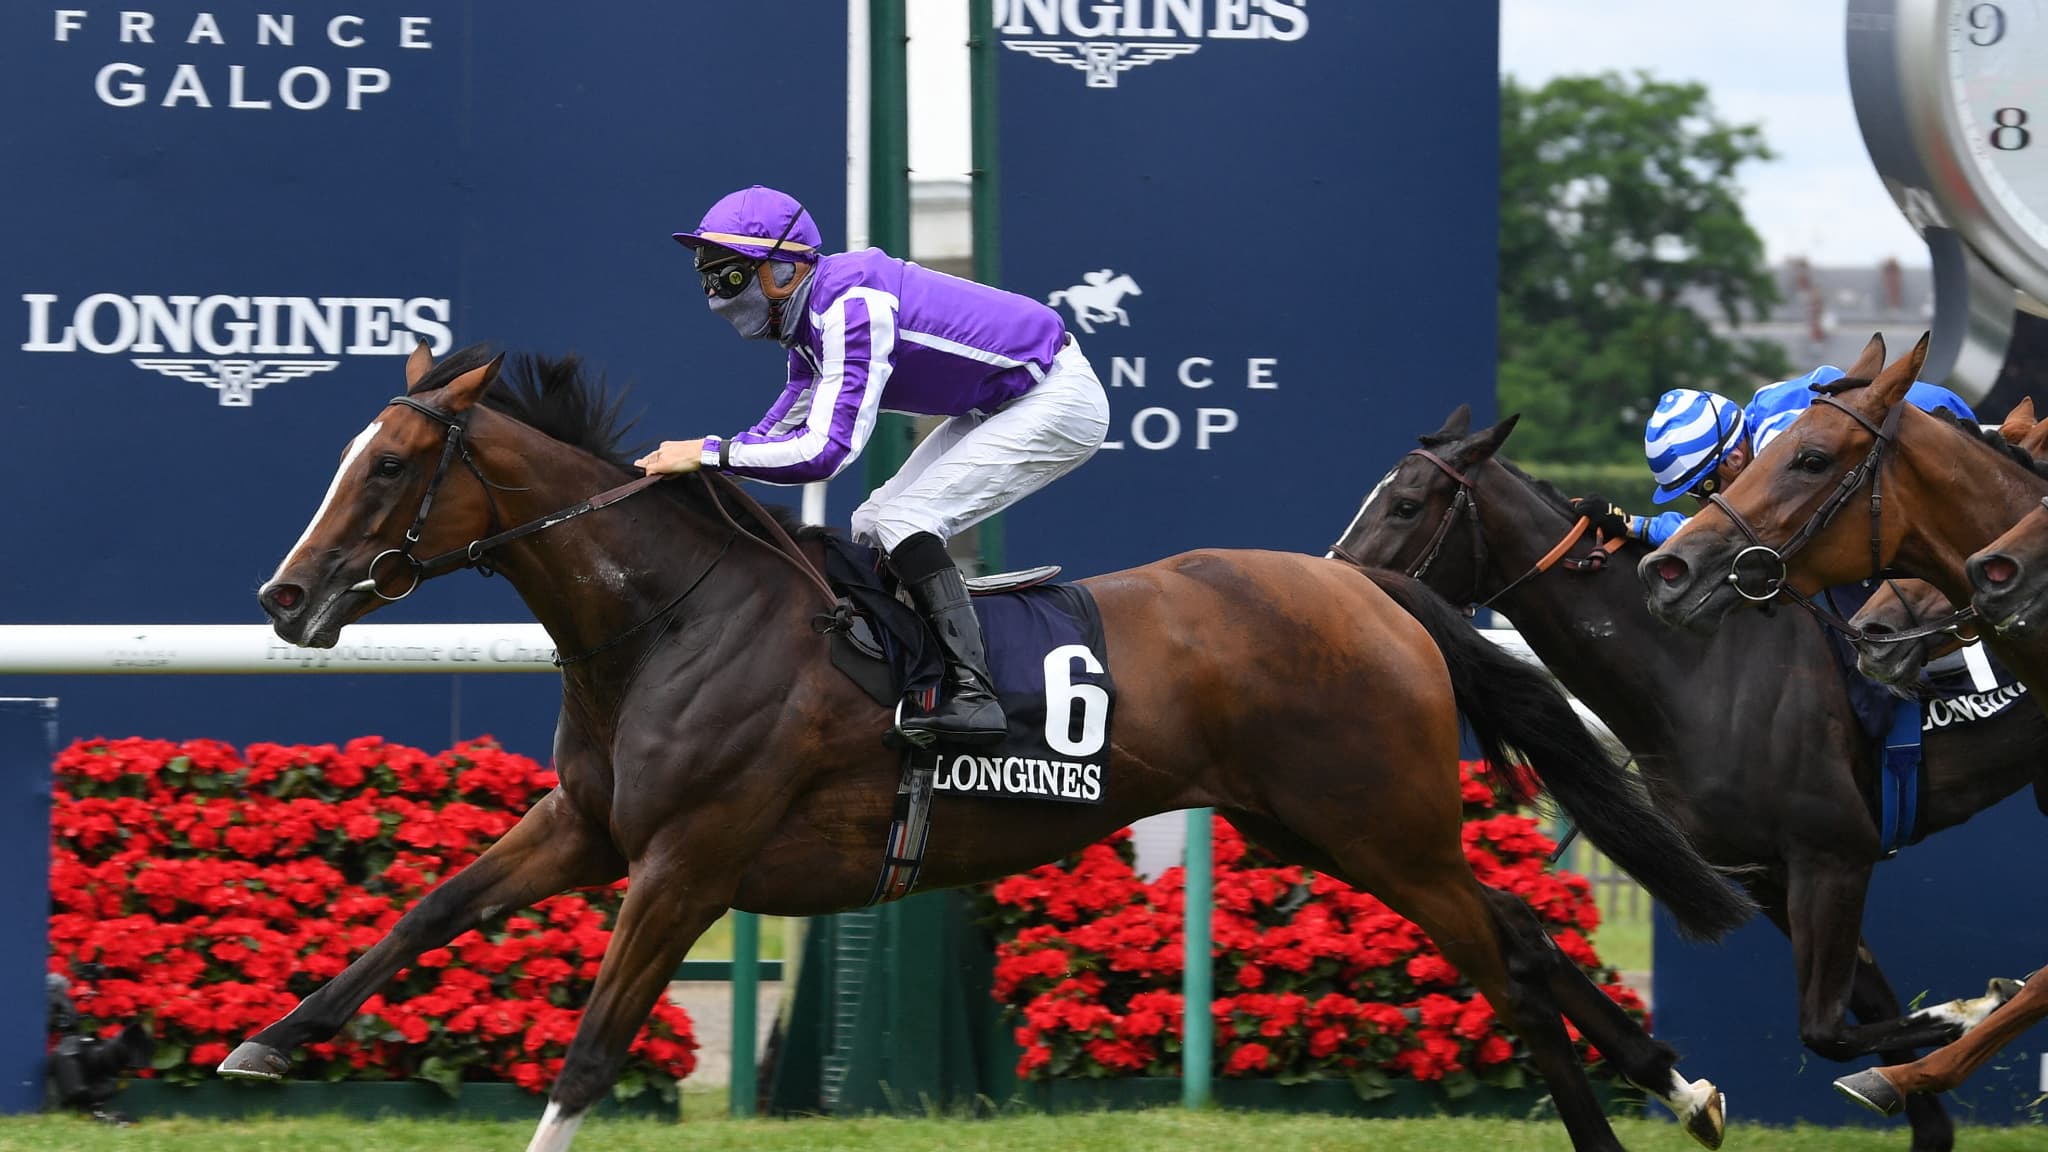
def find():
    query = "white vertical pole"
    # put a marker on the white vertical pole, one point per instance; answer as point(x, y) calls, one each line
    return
point(856, 178)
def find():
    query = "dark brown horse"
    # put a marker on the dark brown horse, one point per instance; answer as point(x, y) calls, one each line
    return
point(1778, 798)
point(710, 751)
point(1860, 483)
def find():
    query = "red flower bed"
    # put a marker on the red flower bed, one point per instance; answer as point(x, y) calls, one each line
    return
point(1312, 977)
point(206, 891)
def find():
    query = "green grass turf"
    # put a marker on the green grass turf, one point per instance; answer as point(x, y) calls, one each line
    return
point(1167, 1130)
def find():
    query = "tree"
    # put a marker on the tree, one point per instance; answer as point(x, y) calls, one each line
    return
point(1620, 227)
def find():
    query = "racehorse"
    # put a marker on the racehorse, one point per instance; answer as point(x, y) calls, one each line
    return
point(1899, 607)
point(1938, 492)
point(710, 751)
point(1745, 736)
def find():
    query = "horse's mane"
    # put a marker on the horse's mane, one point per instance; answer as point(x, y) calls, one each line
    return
point(557, 398)
point(1993, 439)
point(1548, 491)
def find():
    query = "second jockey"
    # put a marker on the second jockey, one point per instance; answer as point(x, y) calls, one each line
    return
point(867, 333)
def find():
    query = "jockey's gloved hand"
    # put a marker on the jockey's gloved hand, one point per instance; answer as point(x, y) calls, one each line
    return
point(1607, 517)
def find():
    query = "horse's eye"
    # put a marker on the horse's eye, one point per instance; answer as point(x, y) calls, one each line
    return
point(389, 466)
point(1810, 461)
point(1406, 509)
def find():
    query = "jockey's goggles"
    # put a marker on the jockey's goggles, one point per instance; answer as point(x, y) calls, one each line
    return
point(726, 274)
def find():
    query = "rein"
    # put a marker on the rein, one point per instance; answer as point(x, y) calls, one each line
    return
point(473, 554)
point(1467, 501)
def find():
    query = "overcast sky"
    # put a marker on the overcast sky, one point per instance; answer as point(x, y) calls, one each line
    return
point(1776, 63)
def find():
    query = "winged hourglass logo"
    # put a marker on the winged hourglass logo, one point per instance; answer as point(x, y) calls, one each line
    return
point(235, 380)
point(1102, 62)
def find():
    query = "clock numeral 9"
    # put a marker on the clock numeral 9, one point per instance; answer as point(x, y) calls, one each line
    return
point(2011, 134)
point(1988, 19)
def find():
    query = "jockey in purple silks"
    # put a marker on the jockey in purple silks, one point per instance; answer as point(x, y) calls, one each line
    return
point(868, 333)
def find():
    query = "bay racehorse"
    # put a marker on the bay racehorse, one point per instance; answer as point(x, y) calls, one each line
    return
point(1745, 735)
point(1861, 483)
point(710, 752)
point(1901, 606)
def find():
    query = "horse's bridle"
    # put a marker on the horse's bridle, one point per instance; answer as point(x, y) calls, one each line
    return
point(474, 554)
point(1465, 503)
point(1762, 584)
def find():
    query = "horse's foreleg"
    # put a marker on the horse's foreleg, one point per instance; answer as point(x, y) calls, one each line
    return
point(1825, 920)
point(549, 850)
point(670, 901)
point(1875, 1004)
point(1887, 1089)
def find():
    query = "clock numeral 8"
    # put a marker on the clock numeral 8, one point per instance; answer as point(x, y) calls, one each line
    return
point(2011, 134)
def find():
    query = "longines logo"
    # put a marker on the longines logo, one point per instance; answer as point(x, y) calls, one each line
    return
point(1109, 39)
point(243, 341)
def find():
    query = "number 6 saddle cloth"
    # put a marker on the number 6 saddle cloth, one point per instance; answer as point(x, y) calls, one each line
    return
point(1045, 652)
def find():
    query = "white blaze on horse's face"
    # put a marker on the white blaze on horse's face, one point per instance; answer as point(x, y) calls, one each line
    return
point(1369, 498)
point(355, 449)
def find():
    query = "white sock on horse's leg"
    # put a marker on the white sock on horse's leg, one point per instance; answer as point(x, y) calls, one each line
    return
point(555, 1131)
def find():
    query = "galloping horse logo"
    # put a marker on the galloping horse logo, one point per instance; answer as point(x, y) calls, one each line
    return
point(1095, 298)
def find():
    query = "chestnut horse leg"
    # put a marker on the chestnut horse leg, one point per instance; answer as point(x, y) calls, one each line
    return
point(1886, 1089)
point(551, 849)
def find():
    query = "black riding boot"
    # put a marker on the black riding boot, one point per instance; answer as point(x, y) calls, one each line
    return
point(967, 712)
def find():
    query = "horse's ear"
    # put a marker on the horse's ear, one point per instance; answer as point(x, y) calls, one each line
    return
point(1485, 443)
point(418, 364)
point(1891, 384)
point(2034, 441)
point(467, 388)
point(1871, 361)
point(2019, 421)
point(1456, 425)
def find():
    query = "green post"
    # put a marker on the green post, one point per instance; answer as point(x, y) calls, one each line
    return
point(1197, 981)
point(988, 260)
point(746, 998)
point(888, 193)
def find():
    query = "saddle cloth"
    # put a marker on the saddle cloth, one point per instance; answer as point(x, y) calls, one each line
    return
point(1048, 658)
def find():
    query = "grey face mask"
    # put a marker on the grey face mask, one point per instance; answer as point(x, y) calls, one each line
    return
point(746, 312)
point(750, 312)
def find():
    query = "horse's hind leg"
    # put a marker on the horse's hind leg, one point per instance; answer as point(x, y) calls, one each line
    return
point(1886, 1089)
point(551, 849)
point(1442, 897)
point(1642, 1060)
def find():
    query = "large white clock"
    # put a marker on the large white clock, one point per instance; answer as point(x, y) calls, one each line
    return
point(1952, 96)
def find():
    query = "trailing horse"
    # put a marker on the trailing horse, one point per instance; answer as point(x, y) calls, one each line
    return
point(710, 750)
point(1746, 735)
point(1938, 491)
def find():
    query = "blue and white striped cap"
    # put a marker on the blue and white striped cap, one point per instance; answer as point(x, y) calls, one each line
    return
point(1687, 436)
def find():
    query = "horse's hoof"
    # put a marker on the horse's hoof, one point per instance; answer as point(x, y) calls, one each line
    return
point(1707, 1121)
point(253, 1061)
point(1870, 1089)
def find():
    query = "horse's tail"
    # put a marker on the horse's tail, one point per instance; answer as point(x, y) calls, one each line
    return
point(1511, 704)
point(1053, 301)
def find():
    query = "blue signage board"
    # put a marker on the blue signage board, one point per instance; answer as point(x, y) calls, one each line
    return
point(230, 221)
point(1272, 226)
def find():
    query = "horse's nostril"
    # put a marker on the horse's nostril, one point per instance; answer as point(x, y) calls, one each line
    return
point(1876, 629)
point(284, 596)
point(1999, 570)
point(1670, 569)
